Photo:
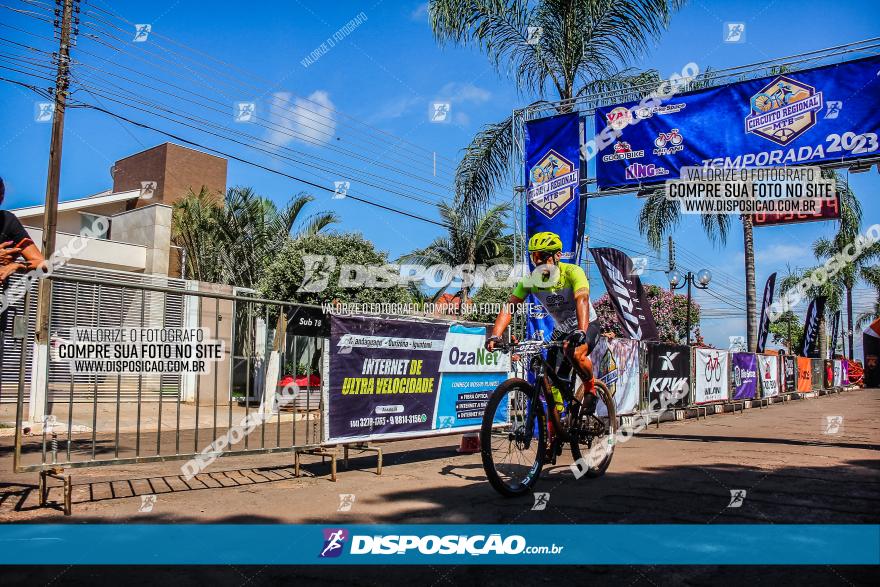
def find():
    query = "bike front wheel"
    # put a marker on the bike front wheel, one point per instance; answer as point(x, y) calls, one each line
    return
point(513, 438)
point(593, 435)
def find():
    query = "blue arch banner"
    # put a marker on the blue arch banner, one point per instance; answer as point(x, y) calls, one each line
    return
point(807, 117)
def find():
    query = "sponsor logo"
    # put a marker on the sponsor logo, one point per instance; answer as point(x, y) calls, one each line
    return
point(783, 110)
point(622, 151)
point(552, 181)
point(608, 366)
point(666, 361)
point(668, 389)
point(554, 300)
point(668, 143)
point(334, 539)
point(619, 118)
point(713, 368)
point(643, 113)
point(629, 308)
point(740, 375)
point(641, 171)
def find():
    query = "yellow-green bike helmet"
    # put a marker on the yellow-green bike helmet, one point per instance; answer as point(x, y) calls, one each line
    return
point(545, 242)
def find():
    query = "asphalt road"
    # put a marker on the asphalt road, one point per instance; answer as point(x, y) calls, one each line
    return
point(791, 469)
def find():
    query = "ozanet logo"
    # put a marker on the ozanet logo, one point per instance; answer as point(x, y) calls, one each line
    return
point(481, 356)
point(473, 545)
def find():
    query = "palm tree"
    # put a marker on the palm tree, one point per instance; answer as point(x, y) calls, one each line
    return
point(473, 238)
point(831, 290)
point(848, 275)
point(195, 228)
point(871, 275)
point(660, 216)
point(577, 48)
point(233, 241)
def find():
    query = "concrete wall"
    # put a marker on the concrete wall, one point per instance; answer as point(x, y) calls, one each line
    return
point(217, 316)
point(69, 221)
point(149, 226)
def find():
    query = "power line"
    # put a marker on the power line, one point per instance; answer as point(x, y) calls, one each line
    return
point(170, 117)
point(258, 165)
point(230, 66)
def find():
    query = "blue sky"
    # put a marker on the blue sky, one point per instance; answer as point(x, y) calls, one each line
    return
point(385, 73)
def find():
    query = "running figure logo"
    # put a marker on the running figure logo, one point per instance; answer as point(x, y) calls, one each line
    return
point(737, 497)
point(334, 539)
point(541, 501)
point(734, 32)
point(346, 501)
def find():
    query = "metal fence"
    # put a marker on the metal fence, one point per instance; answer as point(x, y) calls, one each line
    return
point(67, 420)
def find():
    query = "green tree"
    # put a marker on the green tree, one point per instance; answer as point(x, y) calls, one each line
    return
point(871, 275)
point(787, 330)
point(660, 217)
point(233, 240)
point(487, 302)
point(846, 278)
point(287, 278)
point(831, 290)
point(474, 237)
point(577, 48)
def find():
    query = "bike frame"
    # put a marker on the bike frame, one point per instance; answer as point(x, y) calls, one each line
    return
point(542, 370)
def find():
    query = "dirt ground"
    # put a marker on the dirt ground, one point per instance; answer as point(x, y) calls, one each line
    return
point(792, 468)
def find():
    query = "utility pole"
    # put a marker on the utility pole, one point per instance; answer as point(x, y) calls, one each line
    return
point(671, 257)
point(50, 211)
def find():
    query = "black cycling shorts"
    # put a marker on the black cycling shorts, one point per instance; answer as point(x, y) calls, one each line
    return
point(556, 357)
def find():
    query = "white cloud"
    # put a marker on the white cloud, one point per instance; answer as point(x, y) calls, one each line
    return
point(308, 120)
point(782, 253)
point(461, 118)
point(464, 93)
point(395, 109)
point(420, 12)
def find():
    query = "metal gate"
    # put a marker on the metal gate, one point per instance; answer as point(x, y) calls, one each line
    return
point(124, 419)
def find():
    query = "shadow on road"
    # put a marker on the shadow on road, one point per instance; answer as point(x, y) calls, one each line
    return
point(788, 441)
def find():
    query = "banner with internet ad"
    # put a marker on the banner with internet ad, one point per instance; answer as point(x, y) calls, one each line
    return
point(393, 378)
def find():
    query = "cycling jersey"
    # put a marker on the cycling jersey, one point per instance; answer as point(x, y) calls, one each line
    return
point(558, 298)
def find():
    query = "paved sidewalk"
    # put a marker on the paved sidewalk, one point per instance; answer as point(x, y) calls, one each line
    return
point(791, 469)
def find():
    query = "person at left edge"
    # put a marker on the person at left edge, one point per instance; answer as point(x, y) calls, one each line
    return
point(17, 251)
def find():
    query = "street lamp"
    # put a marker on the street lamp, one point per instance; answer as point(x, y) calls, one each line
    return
point(700, 281)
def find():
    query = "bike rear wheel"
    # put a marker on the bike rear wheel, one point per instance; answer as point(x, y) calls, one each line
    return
point(513, 437)
point(593, 436)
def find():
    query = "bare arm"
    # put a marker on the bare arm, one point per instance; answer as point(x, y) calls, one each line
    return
point(33, 256)
point(502, 321)
point(582, 305)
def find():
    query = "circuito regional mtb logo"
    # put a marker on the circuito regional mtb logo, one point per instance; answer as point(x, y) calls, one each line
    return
point(783, 110)
point(551, 183)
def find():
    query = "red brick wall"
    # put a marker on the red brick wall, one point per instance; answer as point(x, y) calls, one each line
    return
point(175, 170)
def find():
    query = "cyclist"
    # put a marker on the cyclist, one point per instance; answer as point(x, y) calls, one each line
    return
point(563, 289)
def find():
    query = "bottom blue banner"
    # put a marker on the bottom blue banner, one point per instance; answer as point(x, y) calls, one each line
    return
point(50, 544)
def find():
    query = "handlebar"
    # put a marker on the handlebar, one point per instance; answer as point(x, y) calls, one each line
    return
point(526, 346)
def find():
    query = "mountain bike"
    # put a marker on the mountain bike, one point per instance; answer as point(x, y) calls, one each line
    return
point(713, 368)
point(514, 435)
